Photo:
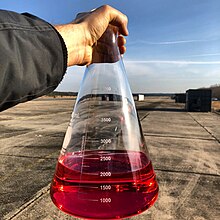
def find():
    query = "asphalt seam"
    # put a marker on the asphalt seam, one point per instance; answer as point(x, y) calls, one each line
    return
point(206, 129)
point(38, 195)
point(189, 172)
point(144, 116)
point(218, 113)
point(24, 156)
point(180, 137)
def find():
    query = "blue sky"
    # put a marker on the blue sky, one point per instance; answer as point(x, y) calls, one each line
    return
point(173, 45)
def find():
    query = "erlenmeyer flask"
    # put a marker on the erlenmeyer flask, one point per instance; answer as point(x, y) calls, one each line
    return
point(104, 170)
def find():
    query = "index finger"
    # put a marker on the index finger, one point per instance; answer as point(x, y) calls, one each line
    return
point(116, 18)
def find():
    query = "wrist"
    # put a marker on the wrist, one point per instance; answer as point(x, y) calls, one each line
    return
point(76, 43)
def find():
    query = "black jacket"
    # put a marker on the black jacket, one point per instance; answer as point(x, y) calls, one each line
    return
point(33, 58)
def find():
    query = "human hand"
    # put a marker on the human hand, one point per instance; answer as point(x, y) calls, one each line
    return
point(82, 34)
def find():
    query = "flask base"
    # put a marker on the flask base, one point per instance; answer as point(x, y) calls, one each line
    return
point(122, 194)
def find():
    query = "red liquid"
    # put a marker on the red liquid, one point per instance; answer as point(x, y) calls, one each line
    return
point(104, 184)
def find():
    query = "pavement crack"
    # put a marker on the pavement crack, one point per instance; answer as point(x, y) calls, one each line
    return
point(205, 128)
point(25, 156)
point(180, 137)
point(144, 116)
point(39, 194)
point(188, 172)
point(186, 192)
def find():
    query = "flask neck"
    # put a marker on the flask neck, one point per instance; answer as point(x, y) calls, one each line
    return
point(106, 49)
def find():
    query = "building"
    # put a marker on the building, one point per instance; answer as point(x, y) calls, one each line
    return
point(198, 100)
point(180, 98)
point(138, 97)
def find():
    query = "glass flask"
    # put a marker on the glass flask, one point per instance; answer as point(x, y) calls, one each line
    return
point(104, 170)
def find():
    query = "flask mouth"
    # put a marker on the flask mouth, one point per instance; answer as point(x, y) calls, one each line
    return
point(106, 49)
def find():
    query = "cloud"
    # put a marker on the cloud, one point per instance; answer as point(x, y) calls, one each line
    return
point(176, 62)
point(156, 75)
point(170, 75)
point(138, 69)
point(169, 42)
point(204, 55)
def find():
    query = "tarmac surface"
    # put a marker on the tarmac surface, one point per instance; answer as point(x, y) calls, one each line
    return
point(184, 148)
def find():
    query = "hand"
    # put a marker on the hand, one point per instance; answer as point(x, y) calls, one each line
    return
point(81, 34)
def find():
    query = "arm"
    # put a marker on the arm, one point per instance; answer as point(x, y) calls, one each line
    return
point(30, 64)
point(34, 54)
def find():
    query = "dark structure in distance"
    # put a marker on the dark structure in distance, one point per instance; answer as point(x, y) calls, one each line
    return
point(198, 100)
point(180, 98)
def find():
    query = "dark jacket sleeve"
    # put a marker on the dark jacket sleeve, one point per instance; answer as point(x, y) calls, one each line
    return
point(33, 58)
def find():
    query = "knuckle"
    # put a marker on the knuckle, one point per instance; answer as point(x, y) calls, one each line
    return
point(125, 19)
point(106, 8)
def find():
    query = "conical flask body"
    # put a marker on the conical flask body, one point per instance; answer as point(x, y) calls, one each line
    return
point(104, 170)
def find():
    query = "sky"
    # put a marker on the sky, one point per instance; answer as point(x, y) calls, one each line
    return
point(172, 45)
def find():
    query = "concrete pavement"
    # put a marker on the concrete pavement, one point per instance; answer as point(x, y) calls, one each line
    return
point(184, 148)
